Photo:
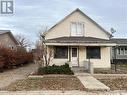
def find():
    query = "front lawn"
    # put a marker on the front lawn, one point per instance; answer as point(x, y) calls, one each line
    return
point(62, 82)
point(115, 83)
point(120, 69)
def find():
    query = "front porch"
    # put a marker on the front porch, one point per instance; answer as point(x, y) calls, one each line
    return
point(81, 51)
point(82, 56)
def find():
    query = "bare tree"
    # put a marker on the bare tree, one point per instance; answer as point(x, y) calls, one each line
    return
point(23, 41)
point(43, 52)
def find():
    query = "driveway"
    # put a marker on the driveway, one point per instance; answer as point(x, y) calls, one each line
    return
point(20, 73)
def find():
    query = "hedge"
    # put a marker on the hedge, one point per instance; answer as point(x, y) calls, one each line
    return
point(54, 69)
point(10, 58)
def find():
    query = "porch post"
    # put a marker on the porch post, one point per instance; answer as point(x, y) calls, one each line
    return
point(78, 56)
point(69, 53)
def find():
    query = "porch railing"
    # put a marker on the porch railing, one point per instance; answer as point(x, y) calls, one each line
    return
point(86, 66)
point(89, 66)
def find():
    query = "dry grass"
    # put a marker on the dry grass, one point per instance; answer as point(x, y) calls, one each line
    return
point(46, 83)
point(115, 83)
point(121, 69)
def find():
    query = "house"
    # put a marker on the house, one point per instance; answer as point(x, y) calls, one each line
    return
point(119, 52)
point(78, 39)
point(8, 40)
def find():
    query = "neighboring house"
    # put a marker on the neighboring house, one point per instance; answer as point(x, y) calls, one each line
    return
point(8, 40)
point(119, 52)
point(77, 38)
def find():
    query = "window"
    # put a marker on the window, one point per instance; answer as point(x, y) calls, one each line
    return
point(122, 51)
point(61, 52)
point(74, 52)
point(118, 50)
point(11, 47)
point(73, 29)
point(126, 51)
point(93, 52)
point(77, 29)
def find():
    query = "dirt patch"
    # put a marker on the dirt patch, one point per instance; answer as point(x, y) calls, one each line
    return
point(115, 83)
point(46, 83)
point(120, 69)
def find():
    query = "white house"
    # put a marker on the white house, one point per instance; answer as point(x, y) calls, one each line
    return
point(76, 39)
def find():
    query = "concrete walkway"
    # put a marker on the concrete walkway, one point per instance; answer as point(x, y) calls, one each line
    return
point(12, 75)
point(91, 83)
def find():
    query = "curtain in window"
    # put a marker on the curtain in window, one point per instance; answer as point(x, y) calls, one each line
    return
point(73, 29)
point(77, 29)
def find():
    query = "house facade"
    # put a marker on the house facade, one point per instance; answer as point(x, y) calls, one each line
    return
point(77, 39)
point(8, 40)
point(119, 52)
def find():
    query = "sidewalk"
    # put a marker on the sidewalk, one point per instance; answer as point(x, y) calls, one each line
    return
point(91, 83)
point(62, 93)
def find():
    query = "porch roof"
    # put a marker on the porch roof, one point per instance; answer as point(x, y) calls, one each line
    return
point(80, 41)
point(120, 41)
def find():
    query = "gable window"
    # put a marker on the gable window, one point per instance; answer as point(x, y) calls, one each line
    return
point(61, 52)
point(11, 47)
point(93, 52)
point(77, 29)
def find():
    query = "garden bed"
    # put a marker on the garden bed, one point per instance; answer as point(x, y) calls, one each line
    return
point(62, 82)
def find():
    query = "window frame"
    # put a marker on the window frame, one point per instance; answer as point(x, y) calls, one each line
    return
point(122, 49)
point(88, 51)
point(60, 48)
point(76, 28)
point(125, 51)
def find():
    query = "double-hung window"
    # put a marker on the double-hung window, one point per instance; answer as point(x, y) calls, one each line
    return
point(77, 28)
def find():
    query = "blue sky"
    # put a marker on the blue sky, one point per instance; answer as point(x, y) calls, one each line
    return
point(31, 15)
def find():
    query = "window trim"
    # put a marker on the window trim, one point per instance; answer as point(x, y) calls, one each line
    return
point(119, 50)
point(83, 28)
point(76, 51)
point(60, 57)
point(93, 47)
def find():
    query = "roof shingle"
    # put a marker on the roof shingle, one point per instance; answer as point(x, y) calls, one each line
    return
point(78, 40)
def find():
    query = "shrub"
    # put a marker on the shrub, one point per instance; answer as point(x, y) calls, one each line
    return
point(10, 58)
point(54, 69)
point(2, 60)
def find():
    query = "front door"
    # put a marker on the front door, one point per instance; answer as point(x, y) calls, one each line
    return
point(74, 56)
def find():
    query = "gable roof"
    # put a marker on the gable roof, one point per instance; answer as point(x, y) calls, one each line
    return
point(10, 34)
point(110, 35)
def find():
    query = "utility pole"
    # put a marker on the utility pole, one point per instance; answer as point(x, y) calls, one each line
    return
point(115, 49)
